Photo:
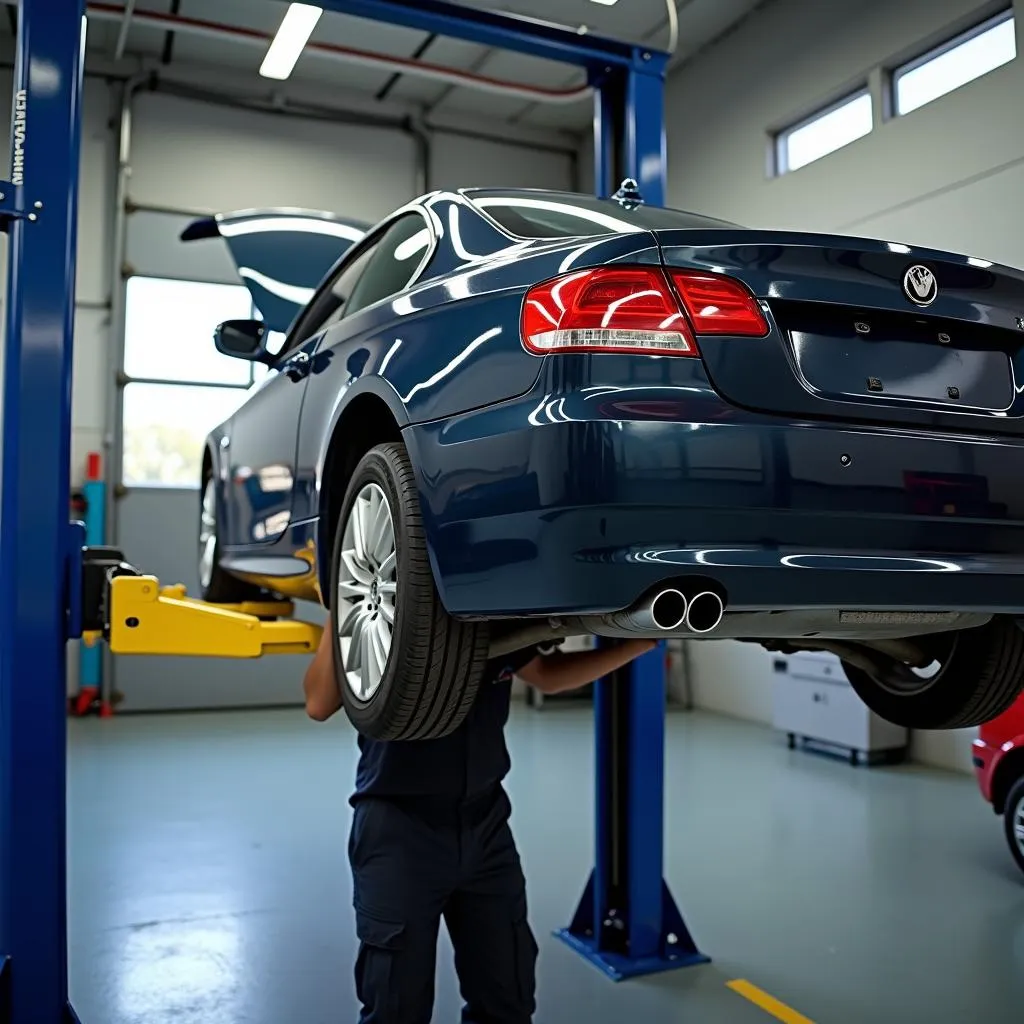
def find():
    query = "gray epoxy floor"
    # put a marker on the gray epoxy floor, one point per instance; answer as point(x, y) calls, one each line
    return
point(209, 883)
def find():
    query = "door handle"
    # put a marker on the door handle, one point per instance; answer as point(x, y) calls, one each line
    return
point(297, 368)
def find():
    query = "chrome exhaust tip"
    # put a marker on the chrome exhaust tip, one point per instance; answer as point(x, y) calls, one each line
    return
point(669, 609)
point(704, 612)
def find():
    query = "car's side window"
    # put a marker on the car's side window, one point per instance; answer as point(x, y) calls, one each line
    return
point(331, 304)
point(394, 261)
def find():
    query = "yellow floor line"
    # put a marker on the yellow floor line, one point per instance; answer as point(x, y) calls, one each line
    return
point(780, 1011)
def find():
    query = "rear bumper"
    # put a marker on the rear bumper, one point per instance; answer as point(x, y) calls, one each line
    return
point(581, 503)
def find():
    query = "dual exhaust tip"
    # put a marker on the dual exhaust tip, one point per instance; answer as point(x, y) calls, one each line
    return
point(670, 609)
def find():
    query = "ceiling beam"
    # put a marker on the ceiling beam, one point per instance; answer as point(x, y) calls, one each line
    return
point(168, 51)
point(494, 29)
point(386, 88)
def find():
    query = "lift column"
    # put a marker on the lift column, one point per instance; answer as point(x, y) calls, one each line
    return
point(627, 922)
point(38, 209)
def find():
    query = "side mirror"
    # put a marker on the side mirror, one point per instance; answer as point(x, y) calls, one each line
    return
point(242, 339)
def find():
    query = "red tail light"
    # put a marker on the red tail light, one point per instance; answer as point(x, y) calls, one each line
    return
point(634, 309)
point(611, 309)
point(719, 305)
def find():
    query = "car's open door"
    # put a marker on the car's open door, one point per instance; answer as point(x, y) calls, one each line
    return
point(281, 254)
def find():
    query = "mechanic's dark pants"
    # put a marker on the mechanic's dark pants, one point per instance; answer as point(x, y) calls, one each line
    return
point(413, 864)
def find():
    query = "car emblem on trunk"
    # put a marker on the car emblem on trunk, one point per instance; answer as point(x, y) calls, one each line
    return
point(920, 286)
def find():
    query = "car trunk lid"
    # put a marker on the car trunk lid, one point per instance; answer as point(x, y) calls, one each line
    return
point(860, 334)
point(281, 254)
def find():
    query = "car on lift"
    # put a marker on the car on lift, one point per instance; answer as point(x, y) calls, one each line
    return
point(504, 416)
point(998, 756)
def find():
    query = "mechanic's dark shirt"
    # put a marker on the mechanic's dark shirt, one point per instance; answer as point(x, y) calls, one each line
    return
point(463, 765)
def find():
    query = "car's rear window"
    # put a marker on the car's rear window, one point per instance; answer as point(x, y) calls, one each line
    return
point(538, 214)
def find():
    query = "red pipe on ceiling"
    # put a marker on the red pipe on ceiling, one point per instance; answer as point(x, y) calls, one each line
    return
point(406, 65)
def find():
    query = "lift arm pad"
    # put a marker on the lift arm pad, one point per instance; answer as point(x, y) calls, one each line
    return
point(145, 619)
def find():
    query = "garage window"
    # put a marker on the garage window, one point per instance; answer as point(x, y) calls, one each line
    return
point(970, 55)
point(177, 385)
point(824, 132)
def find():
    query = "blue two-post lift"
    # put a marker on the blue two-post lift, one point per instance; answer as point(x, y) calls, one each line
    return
point(627, 922)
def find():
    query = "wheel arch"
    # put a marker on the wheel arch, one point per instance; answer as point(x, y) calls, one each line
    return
point(212, 467)
point(371, 416)
point(1008, 771)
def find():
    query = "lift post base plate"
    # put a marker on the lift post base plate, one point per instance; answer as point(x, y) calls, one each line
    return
point(676, 948)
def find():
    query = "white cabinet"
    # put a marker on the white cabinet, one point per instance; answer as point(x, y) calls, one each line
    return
point(813, 703)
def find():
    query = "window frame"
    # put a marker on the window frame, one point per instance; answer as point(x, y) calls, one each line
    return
point(935, 52)
point(780, 153)
point(414, 275)
point(313, 313)
point(299, 334)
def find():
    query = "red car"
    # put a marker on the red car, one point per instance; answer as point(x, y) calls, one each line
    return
point(999, 763)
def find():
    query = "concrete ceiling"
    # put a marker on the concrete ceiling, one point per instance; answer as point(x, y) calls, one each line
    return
point(175, 49)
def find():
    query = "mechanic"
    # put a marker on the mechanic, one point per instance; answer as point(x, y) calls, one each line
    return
point(430, 838)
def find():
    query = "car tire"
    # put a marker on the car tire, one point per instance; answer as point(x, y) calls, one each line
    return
point(1013, 821)
point(406, 670)
point(216, 585)
point(979, 676)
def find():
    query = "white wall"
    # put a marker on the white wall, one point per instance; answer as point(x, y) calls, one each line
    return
point(461, 162)
point(950, 174)
point(940, 175)
point(195, 156)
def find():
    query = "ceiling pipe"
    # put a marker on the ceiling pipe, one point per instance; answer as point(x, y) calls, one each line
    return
point(436, 72)
point(122, 35)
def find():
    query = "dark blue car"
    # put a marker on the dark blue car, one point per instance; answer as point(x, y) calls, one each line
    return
point(506, 416)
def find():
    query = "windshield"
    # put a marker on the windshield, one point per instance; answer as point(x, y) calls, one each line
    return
point(538, 214)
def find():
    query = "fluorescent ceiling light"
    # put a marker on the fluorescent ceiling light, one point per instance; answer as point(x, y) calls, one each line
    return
point(296, 28)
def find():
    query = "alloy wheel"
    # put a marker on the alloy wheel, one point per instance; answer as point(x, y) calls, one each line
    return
point(367, 591)
point(208, 533)
point(903, 680)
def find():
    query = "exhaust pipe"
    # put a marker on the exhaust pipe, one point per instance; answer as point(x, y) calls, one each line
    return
point(679, 611)
point(704, 612)
point(663, 612)
point(669, 609)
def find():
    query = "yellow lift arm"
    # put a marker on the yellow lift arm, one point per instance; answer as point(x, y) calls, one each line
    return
point(135, 615)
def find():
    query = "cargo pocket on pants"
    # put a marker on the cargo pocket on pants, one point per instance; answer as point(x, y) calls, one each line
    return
point(378, 985)
point(524, 948)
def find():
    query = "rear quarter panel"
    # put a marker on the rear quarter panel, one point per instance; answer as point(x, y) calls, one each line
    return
point(448, 346)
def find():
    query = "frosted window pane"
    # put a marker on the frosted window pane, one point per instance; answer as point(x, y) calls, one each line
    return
point(827, 133)
point(169, 329)
point(956, 67)
point(165, 426)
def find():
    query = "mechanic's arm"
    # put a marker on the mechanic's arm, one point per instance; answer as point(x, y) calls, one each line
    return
point(557, 673)
point(323, 698)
